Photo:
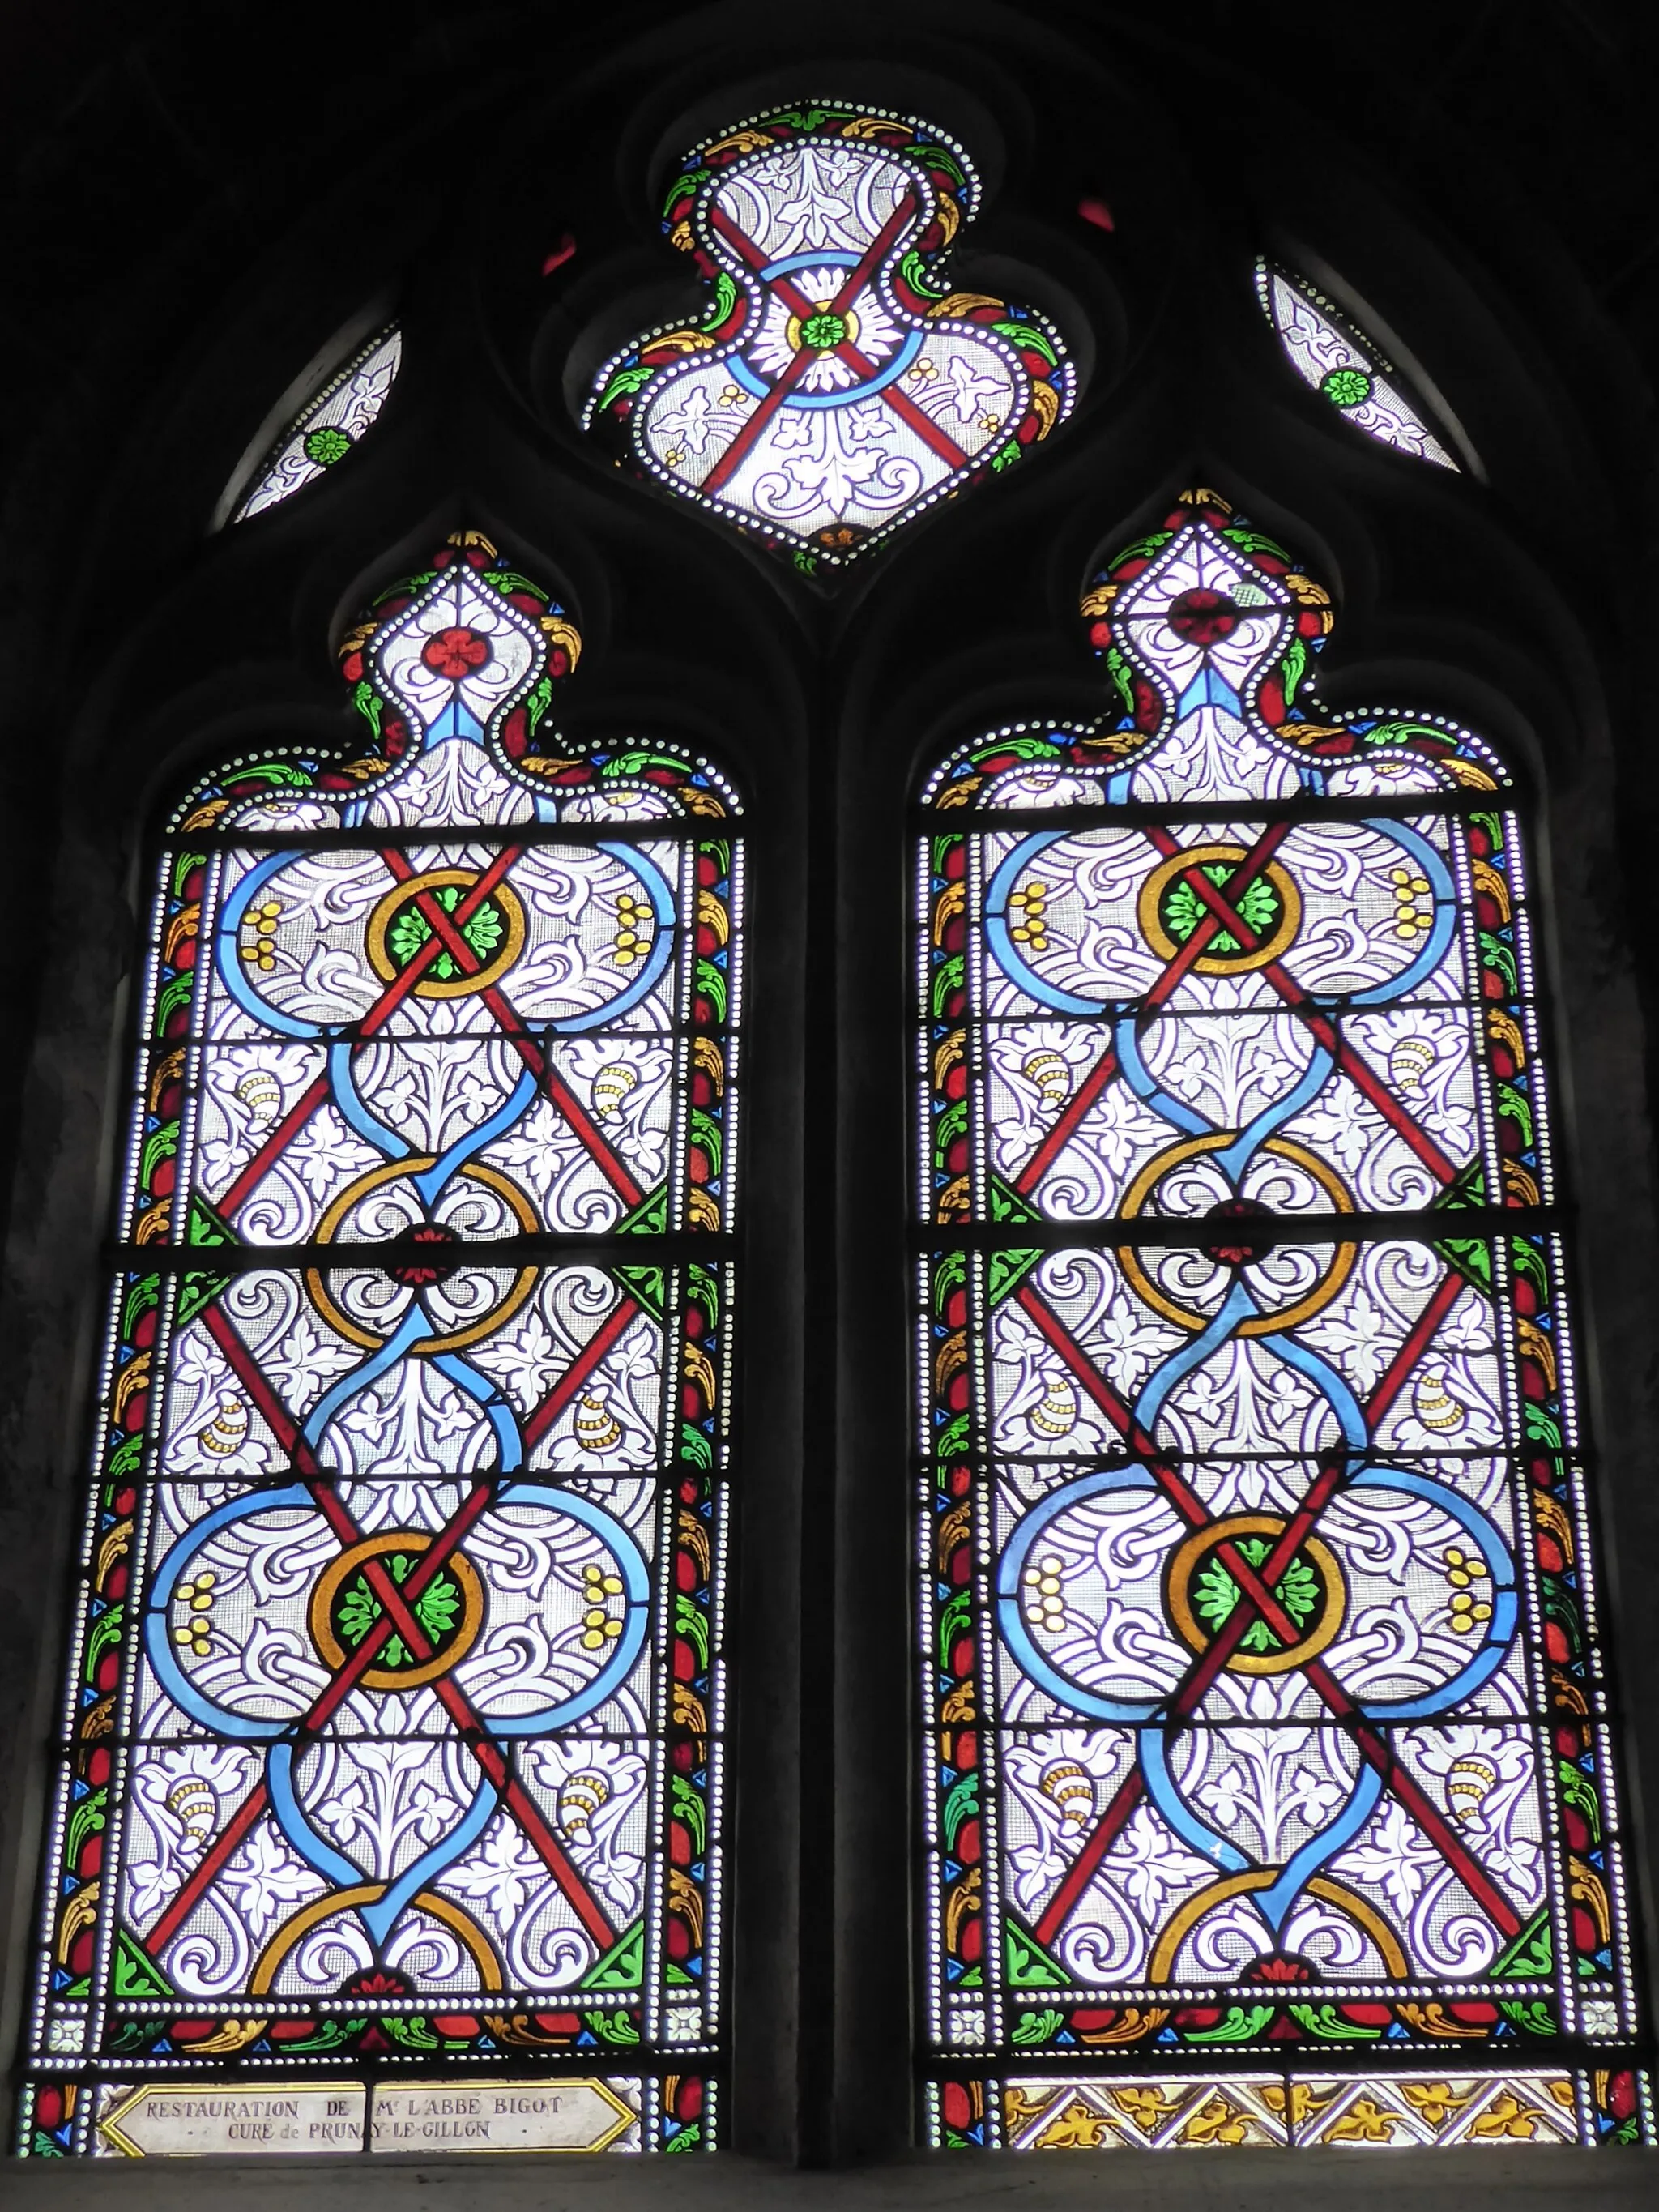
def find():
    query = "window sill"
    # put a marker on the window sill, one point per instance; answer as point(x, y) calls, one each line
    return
point(1461, 2180)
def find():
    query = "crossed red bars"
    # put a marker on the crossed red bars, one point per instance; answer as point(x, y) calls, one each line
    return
point(796, 301)
point(1257, 1586)
point(396, 1615)
point(448, 935)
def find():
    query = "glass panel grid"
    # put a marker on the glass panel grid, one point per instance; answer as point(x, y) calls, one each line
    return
point(1269, 1759)
point(387, 1814)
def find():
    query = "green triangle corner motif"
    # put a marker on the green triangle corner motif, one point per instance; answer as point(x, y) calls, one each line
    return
point(1529, 1955)
point(1028, 1965)
point(623, 1966)
point(136, 1974)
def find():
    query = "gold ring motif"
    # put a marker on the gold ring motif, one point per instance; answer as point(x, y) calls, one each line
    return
point(1187, 1558)
point(402, 896)
point(1219, 1140)
point(372, 1547)
point(1182, 1921)
point(465, 1255)
point(1149, 910)
point(369, 1892)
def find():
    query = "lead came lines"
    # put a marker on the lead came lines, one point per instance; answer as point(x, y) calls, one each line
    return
point(1255, 1535)
point(429, 1457)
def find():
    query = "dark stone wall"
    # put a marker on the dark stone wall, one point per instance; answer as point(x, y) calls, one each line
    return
point(197, 197)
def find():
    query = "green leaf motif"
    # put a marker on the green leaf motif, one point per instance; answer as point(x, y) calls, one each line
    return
point(953, 1622)
point(952, 1438)
point(948, 977)
point(437, 1607)
point(1215, 1595)
point(694, 1446)
point(1007, 1272)
point(1257, 905)
point(962, 1804)
point(367, 700)
point(915, 272)
point(1530, 1956)
point(1511, 1102)
point(326, 446)
point(104, 1635)
point(693, 1625)
point(1528, 1258)
point(136, 1974)
point(87, 1819)
point(1242, 2025)
point(1118, 669)
point(356, 1614)
point(1031, 339)
point(482, 930)
point(1496, 954)
point(1542, 1427)
point(625, 381)
point(724, 300)
point(622, 1965)
point(1254, 541)
point(1028, 1965)
point(171, 996)
point(689, 1807)
point(160, 1145)
point(538, 702)
point(711, 984)
point(1325, 2022)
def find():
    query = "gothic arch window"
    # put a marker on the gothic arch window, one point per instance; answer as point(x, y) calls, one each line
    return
point(811, 427)
point(1270, 1792)
point(391, 1750)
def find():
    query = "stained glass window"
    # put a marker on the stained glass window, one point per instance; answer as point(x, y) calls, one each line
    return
point(1325, 347)
point(835, 384)
point(1269, 1787)
point(387, 1812)
point(328, 426)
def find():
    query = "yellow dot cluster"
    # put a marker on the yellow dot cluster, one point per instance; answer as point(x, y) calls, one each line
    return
point(1408, 889)
point(1467, 1612)
point(194, 1635)
point(632, 930)
point(263, 918)
point(1466, 1615)
point(1044, 1607)
point(600, 1591)
point(1031, 901)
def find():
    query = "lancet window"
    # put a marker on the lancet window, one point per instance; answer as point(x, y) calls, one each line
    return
point(388, 1808)
point(1269, 1786)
